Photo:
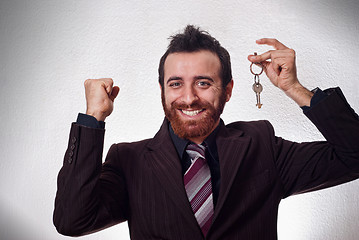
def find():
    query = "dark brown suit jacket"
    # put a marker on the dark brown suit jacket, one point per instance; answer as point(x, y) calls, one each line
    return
point(142, 182)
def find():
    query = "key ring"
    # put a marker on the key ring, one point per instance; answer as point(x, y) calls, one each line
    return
point(256, 79)
point(257, 87)
point(250, 68)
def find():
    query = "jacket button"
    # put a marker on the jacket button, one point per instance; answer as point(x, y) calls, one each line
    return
point(73, 139)
point(71, 153)
point(69, 160)
point(72, 147)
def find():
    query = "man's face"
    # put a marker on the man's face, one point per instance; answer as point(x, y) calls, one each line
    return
point(193, 97)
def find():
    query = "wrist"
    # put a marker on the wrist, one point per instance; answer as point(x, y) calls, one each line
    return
point(300, 94)
point(99, 116)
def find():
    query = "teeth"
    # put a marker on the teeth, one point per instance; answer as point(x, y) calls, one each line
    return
point(191, 113)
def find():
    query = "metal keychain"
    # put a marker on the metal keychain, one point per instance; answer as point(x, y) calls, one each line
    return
point(257, 87)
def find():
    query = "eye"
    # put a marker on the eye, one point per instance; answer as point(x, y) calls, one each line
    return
point(203, 84)
point(175, 84)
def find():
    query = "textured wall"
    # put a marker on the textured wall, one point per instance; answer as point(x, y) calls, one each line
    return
point(48, 48)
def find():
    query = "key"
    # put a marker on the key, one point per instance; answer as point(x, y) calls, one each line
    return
point(257, 88)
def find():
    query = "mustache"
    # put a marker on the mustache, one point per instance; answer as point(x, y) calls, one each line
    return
point(195, 105)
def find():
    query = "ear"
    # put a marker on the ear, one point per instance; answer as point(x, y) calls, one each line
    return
point(229, 89)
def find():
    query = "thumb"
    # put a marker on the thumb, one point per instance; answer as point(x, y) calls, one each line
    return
point(114, 92)
point(271, 73)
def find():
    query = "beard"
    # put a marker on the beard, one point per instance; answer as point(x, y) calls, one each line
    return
point(188, 129)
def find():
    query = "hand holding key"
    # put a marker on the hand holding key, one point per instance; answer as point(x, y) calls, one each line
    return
point(279, 66)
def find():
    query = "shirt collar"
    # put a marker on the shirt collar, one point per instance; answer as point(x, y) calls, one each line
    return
point(210, 141)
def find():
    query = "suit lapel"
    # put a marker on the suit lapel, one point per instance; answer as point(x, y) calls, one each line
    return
point(232, 147)
point(163, 160)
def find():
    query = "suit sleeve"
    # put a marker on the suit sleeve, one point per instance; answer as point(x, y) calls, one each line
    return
point(310, 166)
point(88, 198)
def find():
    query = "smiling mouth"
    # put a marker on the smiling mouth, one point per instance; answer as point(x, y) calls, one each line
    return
point(191, 113)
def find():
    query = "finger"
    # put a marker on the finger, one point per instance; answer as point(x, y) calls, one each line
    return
point(272, 54)
point(107, 83)
point(265, 65)
point(272, 42)
point(260, 58)
point(114, 93)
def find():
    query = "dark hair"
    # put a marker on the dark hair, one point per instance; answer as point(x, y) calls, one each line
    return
point(191, 40)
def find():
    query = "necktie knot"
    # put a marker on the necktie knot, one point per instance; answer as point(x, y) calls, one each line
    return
point(196, 151)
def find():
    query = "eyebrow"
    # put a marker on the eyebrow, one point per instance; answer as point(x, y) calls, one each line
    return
point(204, 77)
point(196, 78)
point(174, 78)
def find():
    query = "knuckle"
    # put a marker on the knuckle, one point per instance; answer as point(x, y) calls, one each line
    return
point(292, 52)
point(87, 82)
point(107, 81)
point(90, 83)
point(272, 53)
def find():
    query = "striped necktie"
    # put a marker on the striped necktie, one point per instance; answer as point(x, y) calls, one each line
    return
point(197, 181)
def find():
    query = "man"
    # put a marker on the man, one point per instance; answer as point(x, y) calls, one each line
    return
point(198, 178)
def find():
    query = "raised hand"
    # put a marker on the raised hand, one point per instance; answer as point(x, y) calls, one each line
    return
point(100, 94)
point(279, 65)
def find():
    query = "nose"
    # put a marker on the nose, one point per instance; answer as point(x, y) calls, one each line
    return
point(189, 95)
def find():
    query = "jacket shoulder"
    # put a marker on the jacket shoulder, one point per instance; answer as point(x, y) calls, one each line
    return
point(131, 147)
point(251, 127)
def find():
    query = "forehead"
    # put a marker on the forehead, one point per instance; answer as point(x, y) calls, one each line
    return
point(199, 62)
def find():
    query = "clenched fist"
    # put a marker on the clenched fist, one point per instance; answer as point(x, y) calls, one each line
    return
point(100, 94)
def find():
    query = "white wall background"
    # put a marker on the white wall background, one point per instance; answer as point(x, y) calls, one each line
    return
point(48, 48)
